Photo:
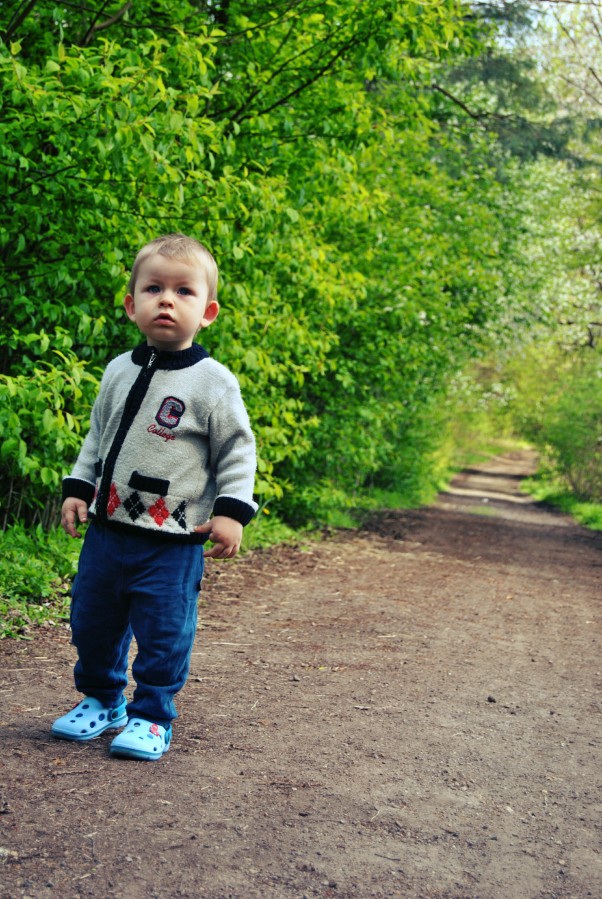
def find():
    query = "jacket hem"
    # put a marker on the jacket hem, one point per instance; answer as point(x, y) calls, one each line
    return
point(163, 536)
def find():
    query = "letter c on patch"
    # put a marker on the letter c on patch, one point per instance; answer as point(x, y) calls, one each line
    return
point(170, 413)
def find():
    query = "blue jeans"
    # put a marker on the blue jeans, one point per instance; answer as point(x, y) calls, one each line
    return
point(135, 585)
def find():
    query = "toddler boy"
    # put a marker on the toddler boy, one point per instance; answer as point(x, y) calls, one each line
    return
point(168, 463)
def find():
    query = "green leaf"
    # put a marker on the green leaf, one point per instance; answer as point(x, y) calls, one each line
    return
point(48, 420)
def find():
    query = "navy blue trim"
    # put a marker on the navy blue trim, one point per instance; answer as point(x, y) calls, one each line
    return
point(234, 508)
point(169, 361)
point(79, 489)
point(149, 485)
point(131, 408)
point(190, 537)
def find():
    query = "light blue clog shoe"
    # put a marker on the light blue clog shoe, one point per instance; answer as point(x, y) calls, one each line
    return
point(89, 719)
point(142, 740)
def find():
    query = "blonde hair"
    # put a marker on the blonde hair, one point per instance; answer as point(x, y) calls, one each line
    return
point(178, 246)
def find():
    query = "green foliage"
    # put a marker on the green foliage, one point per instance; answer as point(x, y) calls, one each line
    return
point(547, 488)
point(502, 89)
point(373, 235)
point(36, 567)
point(41, 413)
point(574, 431)
point(268, 530)
point(559, 408)
point(300, 146)
point(478, 422)
point(549, 397)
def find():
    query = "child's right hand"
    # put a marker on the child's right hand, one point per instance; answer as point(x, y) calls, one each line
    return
point(72, 508)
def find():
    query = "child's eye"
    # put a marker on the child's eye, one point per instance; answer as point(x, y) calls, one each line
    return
point(153, 288)
point(185, 291)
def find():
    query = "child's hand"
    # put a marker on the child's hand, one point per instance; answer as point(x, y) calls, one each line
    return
point(73, 508)
point(225, 534)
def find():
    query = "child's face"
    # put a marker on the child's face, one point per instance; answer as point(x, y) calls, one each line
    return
point(169, 304)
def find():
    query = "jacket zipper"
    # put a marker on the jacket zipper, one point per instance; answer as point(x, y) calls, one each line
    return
point(131, 408)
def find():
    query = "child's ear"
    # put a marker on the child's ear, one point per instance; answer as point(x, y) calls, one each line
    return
point(211, 313)
point(129, 307)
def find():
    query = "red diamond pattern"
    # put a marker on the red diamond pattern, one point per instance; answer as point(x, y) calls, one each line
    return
point(159, 511)
point(114, 501)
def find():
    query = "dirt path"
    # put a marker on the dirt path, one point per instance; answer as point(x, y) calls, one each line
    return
point(408, 711)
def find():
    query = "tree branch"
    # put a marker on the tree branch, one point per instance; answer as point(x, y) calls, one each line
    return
point(595, 75)
point(17, 20)
point(100, 26)
point(477, 116)
point(301, 87)
point(581, 88)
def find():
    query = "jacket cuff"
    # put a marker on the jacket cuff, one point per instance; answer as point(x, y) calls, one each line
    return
point(79, 489)
point(234, 508)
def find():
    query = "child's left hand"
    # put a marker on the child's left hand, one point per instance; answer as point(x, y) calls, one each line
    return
point(225, 534)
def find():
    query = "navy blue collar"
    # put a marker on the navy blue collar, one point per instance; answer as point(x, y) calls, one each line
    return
point(166, 359)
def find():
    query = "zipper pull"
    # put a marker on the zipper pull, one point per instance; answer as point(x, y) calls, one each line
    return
point(151, 361)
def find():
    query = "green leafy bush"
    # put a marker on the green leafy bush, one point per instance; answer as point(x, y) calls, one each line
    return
point(361, 222)
point(557, 406)
point(43, 412)
point(352, 229)
point(547, 487)
point(573, 429)
point(36, 568)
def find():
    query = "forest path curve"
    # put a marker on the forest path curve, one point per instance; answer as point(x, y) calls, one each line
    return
point(411, 710)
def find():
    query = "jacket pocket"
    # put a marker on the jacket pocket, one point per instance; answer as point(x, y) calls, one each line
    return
point(149, 485)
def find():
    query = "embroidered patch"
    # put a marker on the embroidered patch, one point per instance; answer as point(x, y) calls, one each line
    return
point(178, 515)
point(159, 512)
point(114, 501)
point(171, 411)
point(134, 506)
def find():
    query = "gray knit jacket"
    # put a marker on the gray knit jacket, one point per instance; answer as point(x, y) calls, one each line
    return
point(169, 445)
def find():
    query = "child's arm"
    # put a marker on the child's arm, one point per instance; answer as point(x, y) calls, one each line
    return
point(72, 508)
point(234, 463)
point(225, 534)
